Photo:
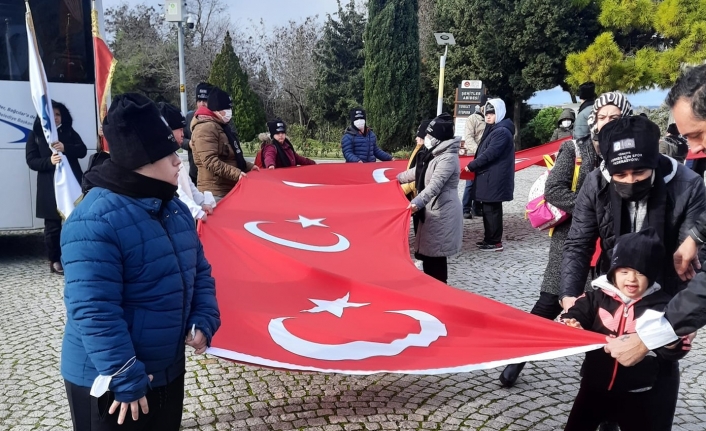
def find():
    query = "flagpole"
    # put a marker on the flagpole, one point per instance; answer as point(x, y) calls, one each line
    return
point(67, 190)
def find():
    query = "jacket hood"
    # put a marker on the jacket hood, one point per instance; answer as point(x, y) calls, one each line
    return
point(664, 161)
point(611, 290)
point(500, 110)
point(352, 130)
point(567, 114)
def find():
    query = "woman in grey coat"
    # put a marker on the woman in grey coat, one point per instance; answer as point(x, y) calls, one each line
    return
point(557, 192)
point(437, 208)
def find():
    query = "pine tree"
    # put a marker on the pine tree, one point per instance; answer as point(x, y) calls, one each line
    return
point(339, 61)
point(392, 70)
point(226, 73)
point(644, 44)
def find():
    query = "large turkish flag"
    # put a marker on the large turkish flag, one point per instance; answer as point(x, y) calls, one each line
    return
point(366, 173)
point(319, 277)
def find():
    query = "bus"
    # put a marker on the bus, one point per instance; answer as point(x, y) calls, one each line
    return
point(65, 43)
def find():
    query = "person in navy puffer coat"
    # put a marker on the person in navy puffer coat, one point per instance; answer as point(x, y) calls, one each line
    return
point(138, 287)
point(359, 143)
point(494, 166)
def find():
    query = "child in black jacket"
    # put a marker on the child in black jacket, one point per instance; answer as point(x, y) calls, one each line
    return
point(609, 391)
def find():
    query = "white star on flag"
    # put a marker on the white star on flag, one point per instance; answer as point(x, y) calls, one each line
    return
point(308, 222)
point(334, 307)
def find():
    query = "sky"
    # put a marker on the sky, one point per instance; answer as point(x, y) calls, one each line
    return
point(276, 12)
point(279, 12)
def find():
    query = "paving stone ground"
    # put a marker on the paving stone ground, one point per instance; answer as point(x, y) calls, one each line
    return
point(222, 395)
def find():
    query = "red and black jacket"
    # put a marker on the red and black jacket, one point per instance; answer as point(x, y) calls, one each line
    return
point(608, 312)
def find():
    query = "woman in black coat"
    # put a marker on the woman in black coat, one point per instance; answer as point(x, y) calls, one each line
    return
point(40, 158)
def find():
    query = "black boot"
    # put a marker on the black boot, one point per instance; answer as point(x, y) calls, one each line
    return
point(608, 426)
point(510, 374)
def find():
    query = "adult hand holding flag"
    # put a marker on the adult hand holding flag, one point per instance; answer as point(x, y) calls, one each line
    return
point(66, 188)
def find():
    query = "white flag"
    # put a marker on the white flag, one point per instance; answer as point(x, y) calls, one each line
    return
point(66, 188)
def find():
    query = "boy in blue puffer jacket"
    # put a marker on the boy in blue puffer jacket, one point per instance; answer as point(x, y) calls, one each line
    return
point(138, 287)
point(359, 143)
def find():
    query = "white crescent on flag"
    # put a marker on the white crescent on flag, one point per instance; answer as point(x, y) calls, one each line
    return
point(342, 245)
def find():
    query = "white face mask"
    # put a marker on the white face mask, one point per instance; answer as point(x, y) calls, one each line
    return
point(427, 142)
point(359, 124)
point(228, 114)
point(566, 123)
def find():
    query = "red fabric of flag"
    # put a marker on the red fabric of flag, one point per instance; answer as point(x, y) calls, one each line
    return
point(104, 68)
point(319, 277)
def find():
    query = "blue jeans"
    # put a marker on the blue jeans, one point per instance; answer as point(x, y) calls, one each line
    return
point(467, 201)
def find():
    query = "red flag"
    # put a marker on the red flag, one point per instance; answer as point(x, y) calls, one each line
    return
point(104, 67)
point(320, 278)
point(523, 158)
point(367, 173)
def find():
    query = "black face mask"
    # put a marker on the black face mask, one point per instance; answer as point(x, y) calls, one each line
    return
point(634, 192)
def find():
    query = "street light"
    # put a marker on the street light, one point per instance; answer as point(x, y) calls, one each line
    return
point(443, 39)
point(175, 13)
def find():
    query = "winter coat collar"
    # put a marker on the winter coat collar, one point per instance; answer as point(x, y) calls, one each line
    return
point(451, 145)
point(587, 104)
point(506, 124)
point(612, 291)
point(203, 113)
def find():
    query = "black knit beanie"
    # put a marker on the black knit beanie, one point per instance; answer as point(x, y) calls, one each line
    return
point(276, 126)
point(642, 251)
point(357, 114)
point(203, 89)
point(422, 130)
point(137, 133)
point(441, 127)
point(629, 143)
point(172, 115)
point(219, 100)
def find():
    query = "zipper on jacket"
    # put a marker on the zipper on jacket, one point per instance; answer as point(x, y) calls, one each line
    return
point(621, 327)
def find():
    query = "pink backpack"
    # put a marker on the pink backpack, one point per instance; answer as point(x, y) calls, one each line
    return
point(541, 214)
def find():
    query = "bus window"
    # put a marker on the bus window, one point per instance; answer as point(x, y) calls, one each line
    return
point(63, 30)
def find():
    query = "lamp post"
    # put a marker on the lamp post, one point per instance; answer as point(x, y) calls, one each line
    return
point(443, 39)
point(175, 13)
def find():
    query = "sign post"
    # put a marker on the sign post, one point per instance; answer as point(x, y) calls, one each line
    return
point(468, 95)
point(175, 13)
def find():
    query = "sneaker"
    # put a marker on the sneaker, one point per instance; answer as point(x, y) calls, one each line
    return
point(467, 215)
point(492, 247)
point(481, 243)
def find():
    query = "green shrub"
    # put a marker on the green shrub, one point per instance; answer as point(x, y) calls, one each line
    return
point(540, 129)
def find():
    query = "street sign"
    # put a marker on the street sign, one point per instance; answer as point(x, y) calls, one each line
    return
point(470, 92)
point(465, 109)
point(474, 84)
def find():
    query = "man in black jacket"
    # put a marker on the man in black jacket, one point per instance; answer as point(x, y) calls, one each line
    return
point(634, 188)
point(203, 89)
point(686, 312)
